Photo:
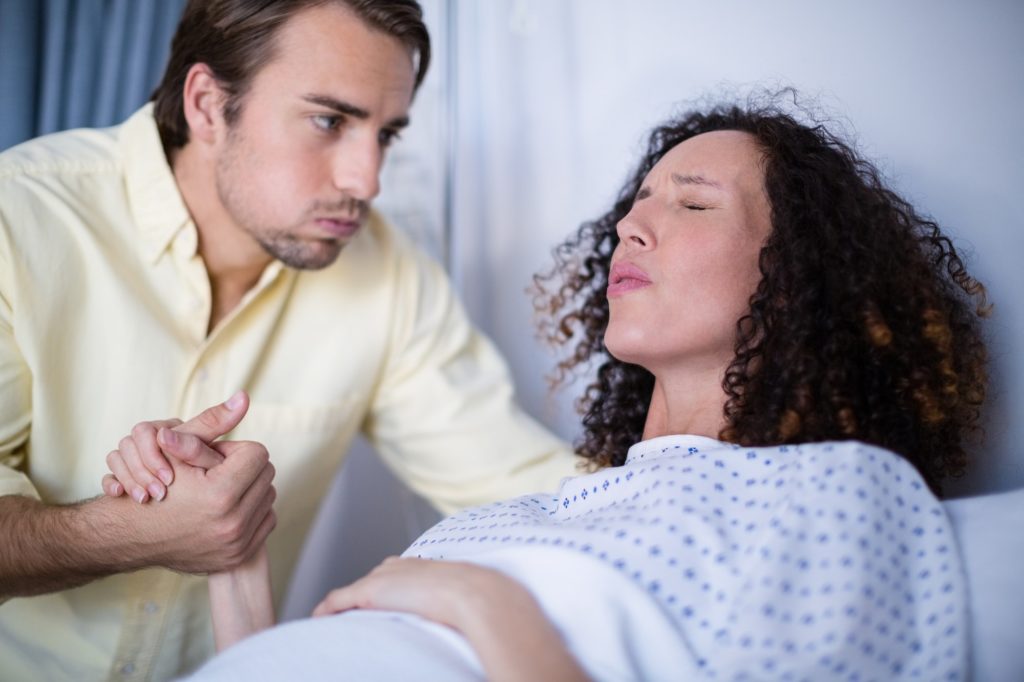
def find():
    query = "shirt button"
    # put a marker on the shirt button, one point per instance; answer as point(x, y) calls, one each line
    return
point(127, 669)
point(150, 607)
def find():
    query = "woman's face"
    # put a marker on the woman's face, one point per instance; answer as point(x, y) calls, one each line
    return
point(687, 261)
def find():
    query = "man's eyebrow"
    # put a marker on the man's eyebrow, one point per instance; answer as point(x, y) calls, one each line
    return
point(694, 180)
point(351, 110)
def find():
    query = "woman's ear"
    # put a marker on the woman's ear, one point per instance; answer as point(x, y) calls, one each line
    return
point(203, 105)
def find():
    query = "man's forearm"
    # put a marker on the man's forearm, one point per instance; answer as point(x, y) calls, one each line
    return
point(47, 548)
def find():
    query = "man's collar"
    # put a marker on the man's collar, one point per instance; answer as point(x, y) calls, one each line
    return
point(156, 203)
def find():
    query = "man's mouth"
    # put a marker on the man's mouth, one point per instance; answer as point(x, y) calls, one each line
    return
point(338, 227)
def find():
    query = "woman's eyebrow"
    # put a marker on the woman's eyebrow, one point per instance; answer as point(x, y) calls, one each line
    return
point(694, 180)
point(682, 181)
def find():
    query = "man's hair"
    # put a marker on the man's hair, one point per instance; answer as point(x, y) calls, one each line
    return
point(865, 324)
point(235, 38)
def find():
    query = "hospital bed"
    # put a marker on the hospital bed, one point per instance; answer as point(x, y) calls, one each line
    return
point(990, 530)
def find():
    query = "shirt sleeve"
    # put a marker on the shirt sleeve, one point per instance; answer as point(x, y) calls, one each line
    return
point(15, 390)
point(854, 576)
point(444, 416)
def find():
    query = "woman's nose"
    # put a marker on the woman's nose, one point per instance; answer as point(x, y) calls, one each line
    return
point(633, 231)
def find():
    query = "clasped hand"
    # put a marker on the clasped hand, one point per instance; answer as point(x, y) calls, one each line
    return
point(215, 497)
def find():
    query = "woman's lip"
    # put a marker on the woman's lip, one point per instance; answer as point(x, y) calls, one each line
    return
point(625, 277)
point(625, 285)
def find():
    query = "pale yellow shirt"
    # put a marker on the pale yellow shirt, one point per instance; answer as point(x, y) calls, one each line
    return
point(104, 306)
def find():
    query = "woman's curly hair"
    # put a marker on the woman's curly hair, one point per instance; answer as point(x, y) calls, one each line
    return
point(865, 324)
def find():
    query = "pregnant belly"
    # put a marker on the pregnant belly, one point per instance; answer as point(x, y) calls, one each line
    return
point(356, 645)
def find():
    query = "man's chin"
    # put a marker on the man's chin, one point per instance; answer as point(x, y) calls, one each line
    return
point(309, 255)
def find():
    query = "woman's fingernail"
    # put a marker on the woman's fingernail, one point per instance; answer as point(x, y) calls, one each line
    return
point(156, 490)
point(139, 495)
point(168, 437)
point(116, 489)
point(165, 475)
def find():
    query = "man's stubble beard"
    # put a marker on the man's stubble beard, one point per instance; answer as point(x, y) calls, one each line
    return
point(278, 242)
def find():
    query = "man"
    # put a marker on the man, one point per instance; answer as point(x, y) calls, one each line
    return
point(221, 240)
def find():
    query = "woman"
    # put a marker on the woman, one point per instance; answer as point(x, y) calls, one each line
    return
point(757, 288)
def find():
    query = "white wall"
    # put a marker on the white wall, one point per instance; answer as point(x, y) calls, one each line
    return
point(553, 98)
point(556, 98)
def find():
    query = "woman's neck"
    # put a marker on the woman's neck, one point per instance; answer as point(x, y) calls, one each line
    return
point(691, 405)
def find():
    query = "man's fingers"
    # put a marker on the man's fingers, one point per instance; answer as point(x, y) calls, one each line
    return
point(260, 494)
point(262, 533)
point(226, 448)
point(214, 422)
point(251, 517)
point(188, 448)
point(243, 462)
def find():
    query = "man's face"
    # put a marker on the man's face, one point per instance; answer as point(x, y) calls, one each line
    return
point(299, 166)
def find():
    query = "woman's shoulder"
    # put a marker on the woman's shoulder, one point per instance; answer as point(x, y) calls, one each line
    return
point(854, 462)
point(845, 472)
point(812, 463)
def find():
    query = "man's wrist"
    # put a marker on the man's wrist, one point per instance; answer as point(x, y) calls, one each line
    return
point(108, 543)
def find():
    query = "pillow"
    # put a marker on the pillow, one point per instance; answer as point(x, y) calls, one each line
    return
point(990, 531)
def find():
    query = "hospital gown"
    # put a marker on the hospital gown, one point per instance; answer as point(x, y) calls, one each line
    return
point(694, 560)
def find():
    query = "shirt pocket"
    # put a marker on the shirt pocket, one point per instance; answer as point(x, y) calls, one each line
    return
point(313, 437)
point(298, 419)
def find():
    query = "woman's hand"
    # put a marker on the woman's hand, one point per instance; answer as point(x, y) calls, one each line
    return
point(497, 615)
point(241, 602)
point(140, 466)
point(445, 592)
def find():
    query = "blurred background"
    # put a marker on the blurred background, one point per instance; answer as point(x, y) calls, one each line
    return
point(533, 114)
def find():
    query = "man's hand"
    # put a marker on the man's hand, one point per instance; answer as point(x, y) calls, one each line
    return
point(210, 520)
point(220, 511)
point(140, 466)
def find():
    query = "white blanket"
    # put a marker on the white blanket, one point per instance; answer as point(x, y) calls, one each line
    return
point(622, 634)
point(694, 559)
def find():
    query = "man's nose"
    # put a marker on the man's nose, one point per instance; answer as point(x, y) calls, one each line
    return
point(357, 169)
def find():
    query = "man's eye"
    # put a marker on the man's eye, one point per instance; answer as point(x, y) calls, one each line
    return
point(388, 137)
point(695, 207)
point(326, 122)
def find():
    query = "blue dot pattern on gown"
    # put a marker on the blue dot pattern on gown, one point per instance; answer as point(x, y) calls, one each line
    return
point(810, 562)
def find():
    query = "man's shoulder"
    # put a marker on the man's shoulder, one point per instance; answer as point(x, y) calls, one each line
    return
point(66, 153)
point(70, 180)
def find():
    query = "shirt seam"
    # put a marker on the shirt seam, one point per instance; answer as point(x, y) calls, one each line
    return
point(14, 171)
